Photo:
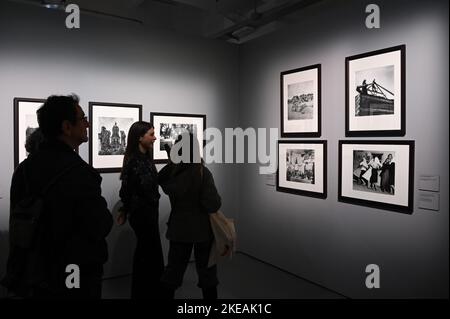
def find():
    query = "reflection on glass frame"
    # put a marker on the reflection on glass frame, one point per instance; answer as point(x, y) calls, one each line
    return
point(301, 102)
point(378, 174)
point(25, 123)
point(169, 125)
point(108, 131)
point(302, 168)
point(375, 93)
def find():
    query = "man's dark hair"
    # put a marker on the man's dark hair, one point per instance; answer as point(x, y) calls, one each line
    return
point(137, 130)
point(56, 110)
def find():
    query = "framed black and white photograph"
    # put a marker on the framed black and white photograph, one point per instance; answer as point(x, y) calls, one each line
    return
point(169, 125)
point(378, 174)
point(375, 93)
point(25, 123)
point(110, 123)
point(300, 102)
point(302, 168)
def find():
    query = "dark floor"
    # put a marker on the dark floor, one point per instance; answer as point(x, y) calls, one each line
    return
point(242, 277)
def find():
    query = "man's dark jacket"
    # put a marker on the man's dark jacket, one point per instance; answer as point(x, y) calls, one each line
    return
point(77, 219)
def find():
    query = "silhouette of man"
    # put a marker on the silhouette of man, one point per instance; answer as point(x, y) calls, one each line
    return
point(362, 88)
point(75, 220)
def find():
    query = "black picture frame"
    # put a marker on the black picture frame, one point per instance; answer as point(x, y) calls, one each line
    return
point(19, 138)
point(300, 131)
point(370, 93)
point(380, 199)
point(322, 192)
point(134, 114)
point(160, 155)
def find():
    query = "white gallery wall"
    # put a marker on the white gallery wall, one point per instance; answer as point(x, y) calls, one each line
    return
point(326, 241)
point(109, 60)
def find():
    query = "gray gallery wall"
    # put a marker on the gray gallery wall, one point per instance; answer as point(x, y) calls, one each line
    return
point(324, 241)
point(330, 242)
point(112, 61)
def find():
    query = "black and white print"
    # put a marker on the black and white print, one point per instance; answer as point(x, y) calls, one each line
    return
point(108, 133)
point(168, 126)
point(300, 165)
point(301, 101)
point(31, 125)
point(377, 173)
point(374, 171)
point(112, 135)
point(374, 91)
point(25, 123)
point(169, 132)
point(302, 168)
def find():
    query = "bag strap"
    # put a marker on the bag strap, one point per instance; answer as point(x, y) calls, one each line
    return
point(53, 181)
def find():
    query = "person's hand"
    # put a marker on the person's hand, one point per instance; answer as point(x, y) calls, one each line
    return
point(167, 149)
point(121, 218)
point(225, 251)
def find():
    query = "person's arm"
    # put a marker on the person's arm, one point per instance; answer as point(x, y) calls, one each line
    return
point(17, 186)
point(128, 188)
point(93, 209)
point(209, 197)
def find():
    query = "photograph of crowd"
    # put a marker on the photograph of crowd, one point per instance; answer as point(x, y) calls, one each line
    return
point(300, 165)
point(169, 132)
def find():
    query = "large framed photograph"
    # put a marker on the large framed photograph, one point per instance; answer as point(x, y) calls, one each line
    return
point(25, 123)
point(302, 168)
point(108, 132)
point(300, 102)
point(375, 93)
point(378, 174)
point(169, 125)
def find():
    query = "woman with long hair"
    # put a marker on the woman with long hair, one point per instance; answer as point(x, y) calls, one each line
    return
point(140, 196)
point(193, 197)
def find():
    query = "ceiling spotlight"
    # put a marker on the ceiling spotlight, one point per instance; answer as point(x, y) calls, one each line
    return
point(54, 4)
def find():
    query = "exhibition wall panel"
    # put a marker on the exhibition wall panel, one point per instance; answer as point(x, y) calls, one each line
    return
point(324, 240)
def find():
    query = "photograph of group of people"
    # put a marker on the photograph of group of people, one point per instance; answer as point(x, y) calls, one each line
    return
point(374, 171)
point(300, 166)
point(169, 132)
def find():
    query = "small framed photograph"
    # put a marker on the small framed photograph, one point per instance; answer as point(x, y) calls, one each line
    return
point(302, 168)
point(378, 174)
point(169, 125)
point(25, 123)
point(375, 93)
point(108, 132)
point(300, 102)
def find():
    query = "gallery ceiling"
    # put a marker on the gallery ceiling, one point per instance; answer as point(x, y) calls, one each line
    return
point(236, 21)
